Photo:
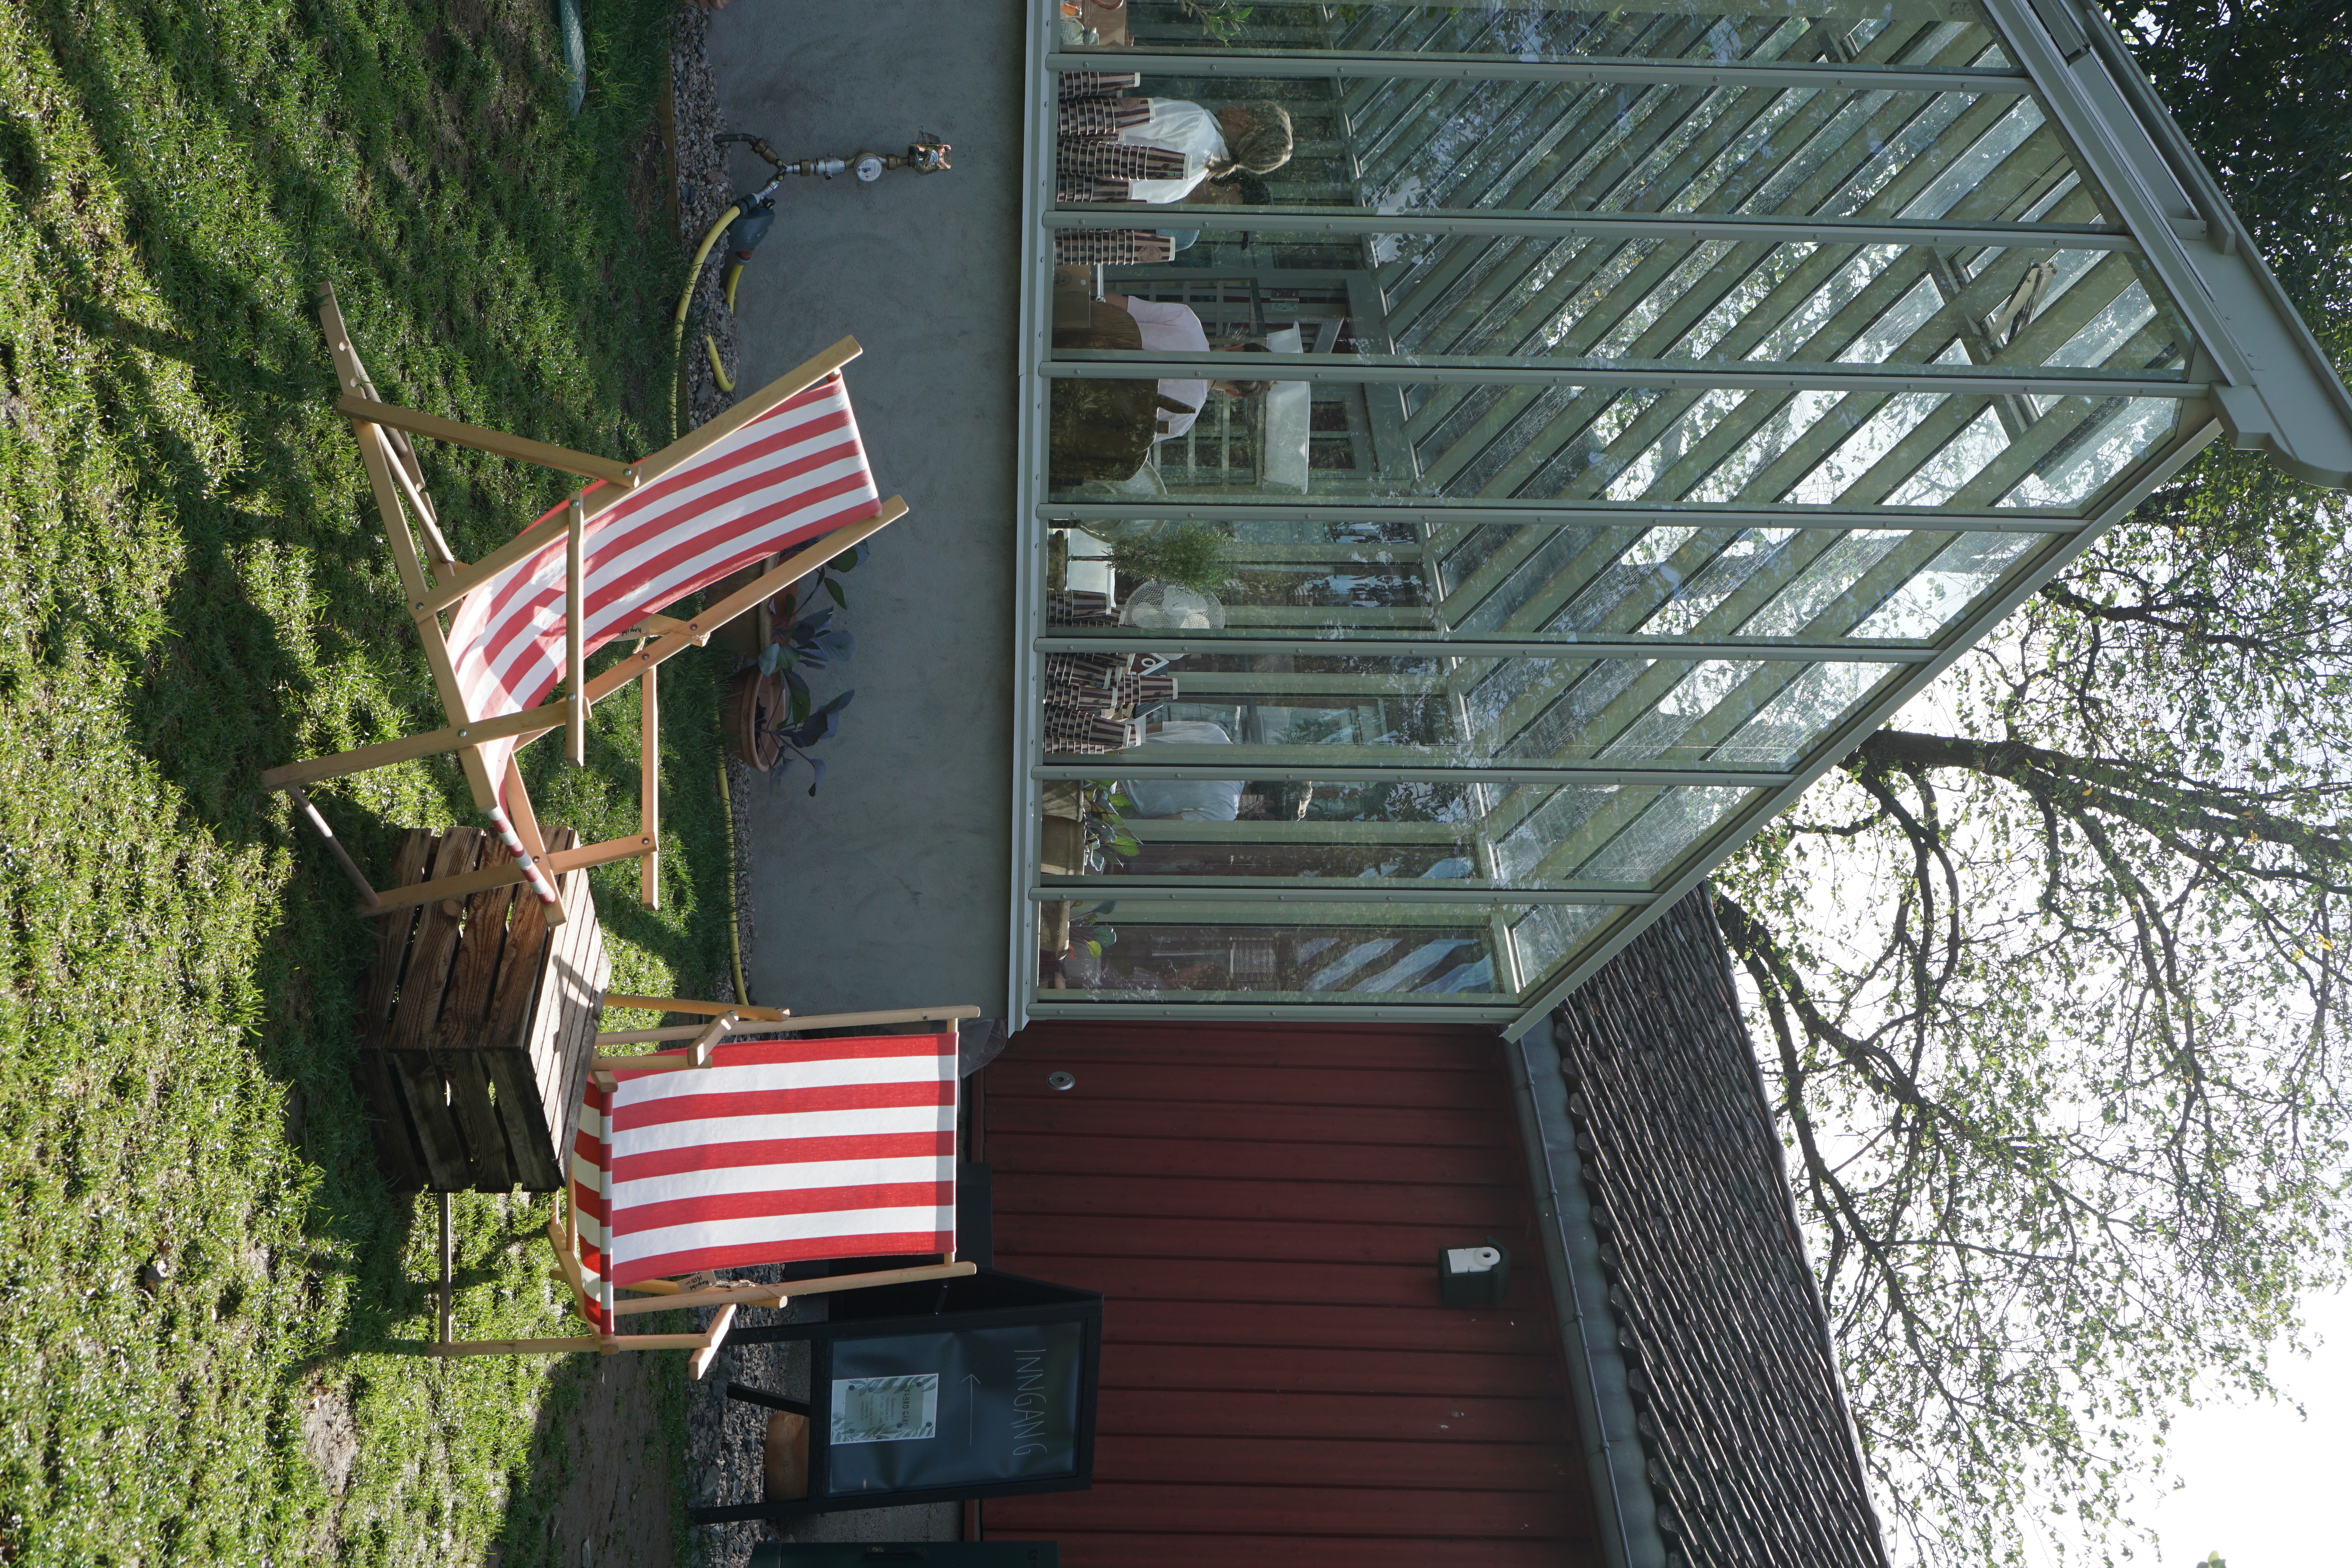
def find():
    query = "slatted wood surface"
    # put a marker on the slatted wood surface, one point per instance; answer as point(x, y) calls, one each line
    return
point(1263, 1210)
point(477, 1024)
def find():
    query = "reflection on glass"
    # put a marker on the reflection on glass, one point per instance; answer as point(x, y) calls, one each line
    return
point(1548, 30)
point(1357, 952)
point(1608, 834)
point(1549, 934)
point(1736, 714)
point(1924, 605)
point(1393, 445)
point(1405, 834)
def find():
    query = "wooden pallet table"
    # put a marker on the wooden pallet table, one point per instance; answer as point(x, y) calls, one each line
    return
point(477, 1024)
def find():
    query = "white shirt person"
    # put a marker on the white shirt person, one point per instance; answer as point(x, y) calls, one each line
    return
point(1252, 136)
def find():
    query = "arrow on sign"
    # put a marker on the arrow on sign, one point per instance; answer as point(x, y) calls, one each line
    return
point(971, 1403)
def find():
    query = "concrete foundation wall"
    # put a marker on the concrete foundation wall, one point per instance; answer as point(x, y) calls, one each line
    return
point(889, 887)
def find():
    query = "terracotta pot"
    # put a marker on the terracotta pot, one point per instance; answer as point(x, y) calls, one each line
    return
point(755, 702)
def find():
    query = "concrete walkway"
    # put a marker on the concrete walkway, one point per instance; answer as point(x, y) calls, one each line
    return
point(889, 888)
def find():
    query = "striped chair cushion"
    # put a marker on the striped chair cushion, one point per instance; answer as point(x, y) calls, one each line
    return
point(797, 471)
point(782, 1151)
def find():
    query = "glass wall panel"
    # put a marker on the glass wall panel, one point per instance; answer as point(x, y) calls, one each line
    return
point(1803, 30)
point(1547, 936)
point(1739, 715)
point(1534, 583)
point(1206, 952)
point(1384, 443)
point(1803, 302)
point(1423, 833)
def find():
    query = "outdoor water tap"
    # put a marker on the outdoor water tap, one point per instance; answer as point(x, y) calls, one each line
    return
point(756, 210)
point(926, 156)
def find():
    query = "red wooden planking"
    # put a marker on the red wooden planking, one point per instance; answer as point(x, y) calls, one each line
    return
point(1111, 1235)
point(1293, 1461)
point(1262, 1210)
point(1080, 1114)
point(1304, 1511)
point(1524, 1325)
point(1295, 1370)
point(1431, 1421)
point(1209, 1279)
point(1013, 1156)
point(1321, 1203)
point(1091, 1549)
point(1180, 1082)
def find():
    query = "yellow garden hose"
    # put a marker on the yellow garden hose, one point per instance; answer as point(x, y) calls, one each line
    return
point(718, 371)
point(734, 915)
point(685, 301)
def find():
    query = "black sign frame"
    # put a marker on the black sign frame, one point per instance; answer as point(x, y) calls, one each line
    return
point(981, 1302)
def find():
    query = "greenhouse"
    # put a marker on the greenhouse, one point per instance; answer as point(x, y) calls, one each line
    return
point(1655, 398)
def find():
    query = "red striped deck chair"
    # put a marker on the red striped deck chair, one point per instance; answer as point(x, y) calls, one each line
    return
point(783, 471)
point(718, 1156)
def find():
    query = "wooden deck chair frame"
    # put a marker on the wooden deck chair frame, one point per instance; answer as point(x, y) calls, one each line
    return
point(692, 1051)
point(436, 582)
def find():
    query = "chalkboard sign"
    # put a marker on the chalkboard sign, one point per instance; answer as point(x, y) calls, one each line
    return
point(953, 1409)
point(981, 1386)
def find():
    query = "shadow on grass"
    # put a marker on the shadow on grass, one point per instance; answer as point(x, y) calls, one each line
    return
point(223, 575)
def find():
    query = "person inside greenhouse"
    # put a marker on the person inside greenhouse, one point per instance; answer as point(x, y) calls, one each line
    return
point(1255, 138)
point(1177, 329)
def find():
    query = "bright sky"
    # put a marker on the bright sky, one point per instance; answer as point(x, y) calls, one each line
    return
point(2266, 1488)
point(2262, 1486)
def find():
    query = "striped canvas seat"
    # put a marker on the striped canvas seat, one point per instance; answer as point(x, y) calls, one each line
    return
point(780, 1152)
point(795, 472)
point(779, 481)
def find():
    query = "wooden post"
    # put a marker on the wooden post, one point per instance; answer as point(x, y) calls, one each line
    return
point(447, 1284)
point(334, 845)
point(575, 615)
point(689, 1004)
point(649, 786)
point(700, 1052)
point(699, 1362)
point(563, 460)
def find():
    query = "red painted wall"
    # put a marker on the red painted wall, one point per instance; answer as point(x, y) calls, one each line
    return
point(1263, 1208)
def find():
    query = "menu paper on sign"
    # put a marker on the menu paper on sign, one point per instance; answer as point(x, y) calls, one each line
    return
point(885, 1409)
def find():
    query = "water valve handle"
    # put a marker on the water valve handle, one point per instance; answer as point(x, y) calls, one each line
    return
point(744, 234)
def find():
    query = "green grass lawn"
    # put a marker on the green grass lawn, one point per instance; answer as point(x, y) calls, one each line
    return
point(193, 588)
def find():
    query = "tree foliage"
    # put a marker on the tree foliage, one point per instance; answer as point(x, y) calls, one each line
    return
point(2053, 972)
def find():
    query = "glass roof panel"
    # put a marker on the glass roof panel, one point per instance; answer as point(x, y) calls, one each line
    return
point(1549, 29)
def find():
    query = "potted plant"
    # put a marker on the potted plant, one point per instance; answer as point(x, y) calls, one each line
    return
point(1179, 572)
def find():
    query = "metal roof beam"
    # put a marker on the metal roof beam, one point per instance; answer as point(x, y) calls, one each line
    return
point(1639, 70)
point(1564, 772)
point(1568, 646)
point(1360, 892)
point(1494, 369)
point(1547, 224)
point(1434, 513)
point(2284, 396)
